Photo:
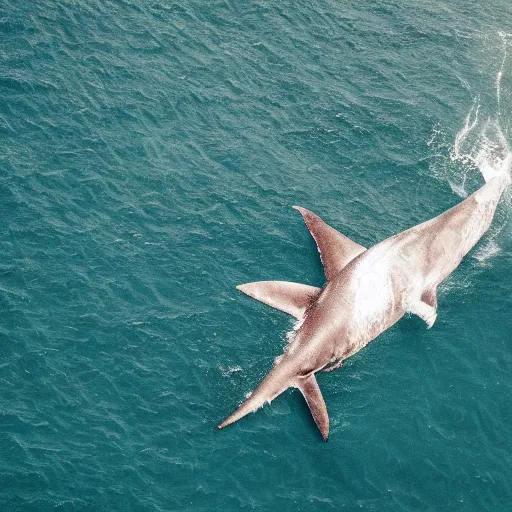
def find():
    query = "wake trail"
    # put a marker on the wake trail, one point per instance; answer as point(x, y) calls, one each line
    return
point(482, 143)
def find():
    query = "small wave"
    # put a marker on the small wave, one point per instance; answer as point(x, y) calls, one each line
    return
point(458, 189)
point(226, 372)
point(505, 42)
point(486, 252)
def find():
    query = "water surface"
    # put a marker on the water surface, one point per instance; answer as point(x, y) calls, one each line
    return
point(150, 156)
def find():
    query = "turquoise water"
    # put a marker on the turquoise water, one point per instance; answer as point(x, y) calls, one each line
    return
point(150, 155)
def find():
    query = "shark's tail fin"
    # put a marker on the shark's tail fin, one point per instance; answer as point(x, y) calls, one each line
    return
point(309, 388)
point(279, 379)
point(276, 382)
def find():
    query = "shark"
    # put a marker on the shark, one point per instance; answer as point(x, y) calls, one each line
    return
point(366, 292)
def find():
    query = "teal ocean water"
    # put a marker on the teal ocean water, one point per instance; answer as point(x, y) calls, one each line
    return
point(150, 155)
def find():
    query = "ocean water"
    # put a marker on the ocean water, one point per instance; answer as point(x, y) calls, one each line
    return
point(151, 151)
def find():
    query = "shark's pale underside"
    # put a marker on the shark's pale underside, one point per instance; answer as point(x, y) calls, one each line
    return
point(367, 291)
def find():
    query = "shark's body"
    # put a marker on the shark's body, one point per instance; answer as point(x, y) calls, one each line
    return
point(367, 291)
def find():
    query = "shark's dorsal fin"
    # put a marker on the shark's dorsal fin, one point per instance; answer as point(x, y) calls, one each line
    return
point(292, 298)
point(336, 250)
point(311, 391)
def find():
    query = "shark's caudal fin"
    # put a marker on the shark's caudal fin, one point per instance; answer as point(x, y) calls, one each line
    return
point(336, 250)
point(279, 379)
point(292, 298)
point(311, 391)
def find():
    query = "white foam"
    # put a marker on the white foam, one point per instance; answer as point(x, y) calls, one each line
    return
point(226, 372)
point(486, 252)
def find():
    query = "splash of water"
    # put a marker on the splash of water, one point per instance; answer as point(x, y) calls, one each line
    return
point(486, 252)
point(482, 144)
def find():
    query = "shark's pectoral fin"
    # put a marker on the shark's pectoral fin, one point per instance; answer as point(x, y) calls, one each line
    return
point(336, 250)
point(315, 400)
point(426, 307)
point(292, 298)
point(430, 297)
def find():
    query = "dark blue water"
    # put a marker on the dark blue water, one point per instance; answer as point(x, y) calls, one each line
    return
point(150, 155)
